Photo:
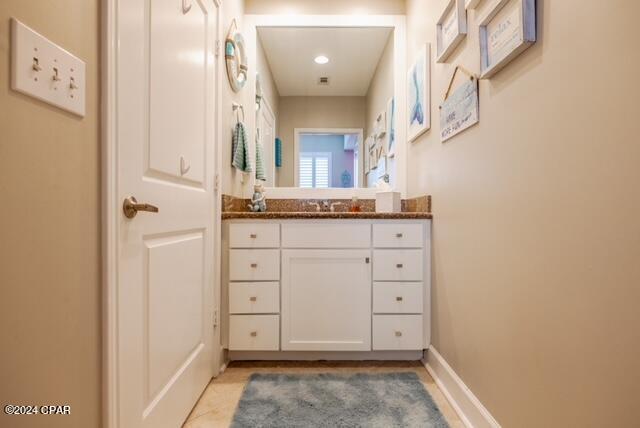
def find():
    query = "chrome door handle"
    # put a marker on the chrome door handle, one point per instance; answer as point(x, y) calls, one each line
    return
point(130, 207)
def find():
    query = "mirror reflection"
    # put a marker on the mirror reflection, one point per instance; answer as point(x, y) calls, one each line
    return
point(323, 99)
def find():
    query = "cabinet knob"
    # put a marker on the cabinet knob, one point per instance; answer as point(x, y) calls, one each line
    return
point(399, 299)
point(399, 235)
point(253, 236)
point(399, 265)
point(254, 333)
point(253, 298)
point(398, 333)
point(254, 265)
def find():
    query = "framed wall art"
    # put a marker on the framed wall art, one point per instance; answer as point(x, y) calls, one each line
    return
point(418, 95)
point(391, 127)
point(507, 31)
point(451, 29)
point(460, 108)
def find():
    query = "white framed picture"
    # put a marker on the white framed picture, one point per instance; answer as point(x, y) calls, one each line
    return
point(451, 29)
point(419, 95)
point(381, 124)
point(366, 166)
point(506, 31)
point(391, 127)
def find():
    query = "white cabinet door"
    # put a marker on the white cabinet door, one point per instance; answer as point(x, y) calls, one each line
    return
point(326, 300)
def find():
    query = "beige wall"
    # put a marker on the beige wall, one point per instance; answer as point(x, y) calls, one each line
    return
point(326, 7)
point(313, 112)
point(233, 182)
point(49, 230)
point(269, 88)
point(536, 236)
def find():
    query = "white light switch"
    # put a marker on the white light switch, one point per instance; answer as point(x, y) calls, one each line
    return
point(45, 71)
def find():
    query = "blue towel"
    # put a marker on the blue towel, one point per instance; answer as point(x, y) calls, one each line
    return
point(240, 149)
point(278, 152)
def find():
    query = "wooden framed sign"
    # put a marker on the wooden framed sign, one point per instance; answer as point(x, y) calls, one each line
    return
point(451, 29)
point(460, 108)
point(507, 30)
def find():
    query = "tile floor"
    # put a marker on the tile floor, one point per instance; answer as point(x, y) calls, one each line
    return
point(218, 402)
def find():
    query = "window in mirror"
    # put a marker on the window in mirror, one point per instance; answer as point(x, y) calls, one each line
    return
point(328, 160)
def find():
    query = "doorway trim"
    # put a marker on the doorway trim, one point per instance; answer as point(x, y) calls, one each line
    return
point(330, 131)
point(109, 39)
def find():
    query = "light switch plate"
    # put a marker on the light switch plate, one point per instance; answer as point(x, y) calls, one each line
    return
point(45, 71)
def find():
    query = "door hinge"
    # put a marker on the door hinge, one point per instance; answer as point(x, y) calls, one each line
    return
point(217, 48)
point(216, 182)
point(366, 260)
point(215, 318)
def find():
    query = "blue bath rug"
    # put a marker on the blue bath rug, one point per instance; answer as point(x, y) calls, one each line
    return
point(382, 400)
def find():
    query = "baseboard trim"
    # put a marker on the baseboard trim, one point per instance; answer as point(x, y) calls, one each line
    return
point(470, 410)
point(324, 355)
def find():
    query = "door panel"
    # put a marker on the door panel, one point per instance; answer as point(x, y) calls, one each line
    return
point(165, 106)
point(177, 89)
point(326, 300)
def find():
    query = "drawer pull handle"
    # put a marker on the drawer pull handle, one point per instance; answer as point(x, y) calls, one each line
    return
point(399, 235)
point(399, 265)
point(254, 265)
point(399, 299)
point(253, 298)
point(398, 334)
point(253, 236)
point(254, 333)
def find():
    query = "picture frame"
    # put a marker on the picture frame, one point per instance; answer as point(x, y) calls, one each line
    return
point(373, 160)
point(391, 127)
point(505, 32)
point(471, 4)
point(451, 29)
point(460, 108)
point(366, 157)
point(419, 94)
point(381, 124)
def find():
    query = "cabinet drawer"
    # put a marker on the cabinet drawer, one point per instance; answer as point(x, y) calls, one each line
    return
point(254, 265)
point(254, 332)
point(398, 235)
point(397, 332)
point(397, 265)
point(254, 235)
point(254, 298)
point(397, 297)
point(326, 235)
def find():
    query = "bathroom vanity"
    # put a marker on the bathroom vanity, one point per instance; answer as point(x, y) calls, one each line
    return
point(314, 286)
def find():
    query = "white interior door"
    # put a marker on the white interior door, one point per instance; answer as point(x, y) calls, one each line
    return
point(326, 300)
point(267, 124)
point(165, 131)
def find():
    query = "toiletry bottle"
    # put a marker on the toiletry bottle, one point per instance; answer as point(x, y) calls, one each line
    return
point(355, 205)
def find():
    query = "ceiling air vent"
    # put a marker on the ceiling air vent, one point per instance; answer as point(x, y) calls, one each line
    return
point(324, 81)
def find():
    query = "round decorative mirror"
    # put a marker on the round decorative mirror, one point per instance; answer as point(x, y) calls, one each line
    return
point(236, 57)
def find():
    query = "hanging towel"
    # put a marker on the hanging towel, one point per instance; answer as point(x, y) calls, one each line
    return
point(240, 149)
point(260, 175)
point(278, 152)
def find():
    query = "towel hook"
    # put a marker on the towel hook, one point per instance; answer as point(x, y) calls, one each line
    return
point(238, 107)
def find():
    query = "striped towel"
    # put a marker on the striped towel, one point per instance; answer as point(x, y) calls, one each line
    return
point(260, 175)
point(240, 149)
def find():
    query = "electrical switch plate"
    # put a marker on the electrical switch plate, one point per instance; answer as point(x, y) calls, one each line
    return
point(45, 71)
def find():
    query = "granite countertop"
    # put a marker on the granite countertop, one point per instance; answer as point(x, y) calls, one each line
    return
point(277, 215)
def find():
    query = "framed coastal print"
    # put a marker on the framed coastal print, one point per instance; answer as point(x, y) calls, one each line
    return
point(391, 127)
point(471, 4)
point(460, 108)
point(451, 29)
point(507, 30)
point(418, 95)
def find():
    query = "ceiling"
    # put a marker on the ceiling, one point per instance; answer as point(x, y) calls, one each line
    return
point(353, 57)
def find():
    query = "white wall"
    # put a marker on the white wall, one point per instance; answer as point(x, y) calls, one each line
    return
point(536, 235)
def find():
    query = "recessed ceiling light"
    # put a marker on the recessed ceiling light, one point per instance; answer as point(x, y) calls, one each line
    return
point(321, 59)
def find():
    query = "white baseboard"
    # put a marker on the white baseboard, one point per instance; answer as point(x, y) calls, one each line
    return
point(324, 355)
point(470, 410)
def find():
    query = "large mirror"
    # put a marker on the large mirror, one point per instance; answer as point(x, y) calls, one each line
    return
point(325, 106)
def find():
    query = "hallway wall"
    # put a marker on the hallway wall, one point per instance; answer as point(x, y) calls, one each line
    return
point(535, 234)
point(50, 313)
